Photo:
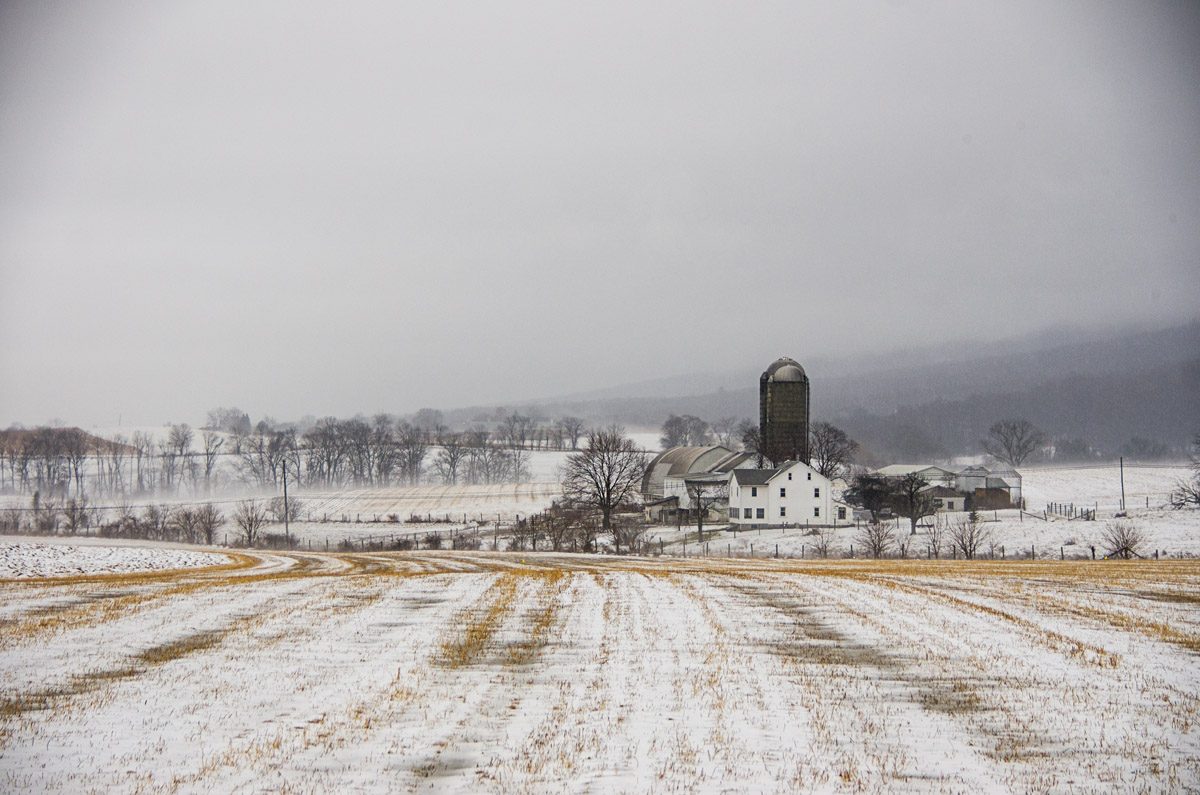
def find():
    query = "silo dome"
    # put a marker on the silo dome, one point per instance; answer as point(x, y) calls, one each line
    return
point(789, 372)
point(785, 369)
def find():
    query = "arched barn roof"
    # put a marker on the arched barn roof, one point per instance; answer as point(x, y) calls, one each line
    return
point(682, 461)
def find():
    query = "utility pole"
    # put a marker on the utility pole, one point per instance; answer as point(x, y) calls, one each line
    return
point(287, 536)
point(1122, 462)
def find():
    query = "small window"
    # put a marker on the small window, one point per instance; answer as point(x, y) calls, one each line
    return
point(783, 510)
point(753, 491)
point(841, 512)
point(745, 513)
point(760, 513)
point(783, 492)
point(817, 512)
point(817, 493)
point(810, 476)
point(789, 476)
point(949, 505)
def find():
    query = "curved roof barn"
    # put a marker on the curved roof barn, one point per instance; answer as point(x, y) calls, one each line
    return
point(685, 461)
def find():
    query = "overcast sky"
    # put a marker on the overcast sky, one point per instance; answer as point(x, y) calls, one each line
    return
point(347, 207)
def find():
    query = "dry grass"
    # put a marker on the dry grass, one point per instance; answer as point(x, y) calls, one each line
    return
point(561, 664)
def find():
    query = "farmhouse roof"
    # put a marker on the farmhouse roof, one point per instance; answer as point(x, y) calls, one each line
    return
point(754, 477)
point(942, 491)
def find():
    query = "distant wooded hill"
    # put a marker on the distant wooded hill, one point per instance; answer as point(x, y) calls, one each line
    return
point(1105, 391)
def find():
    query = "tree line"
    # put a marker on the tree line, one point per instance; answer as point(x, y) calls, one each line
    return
point(324, 453)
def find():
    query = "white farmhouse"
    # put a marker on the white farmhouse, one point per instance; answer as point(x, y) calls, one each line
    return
point(795, 494)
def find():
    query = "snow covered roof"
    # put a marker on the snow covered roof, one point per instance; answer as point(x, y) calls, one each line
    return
point(900, 470)
point(680, 461)
point(784, 369)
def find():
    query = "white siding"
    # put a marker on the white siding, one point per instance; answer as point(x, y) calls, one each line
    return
point(806, 498)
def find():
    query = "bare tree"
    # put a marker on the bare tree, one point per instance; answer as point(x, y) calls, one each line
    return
point(936, 536)
point(142, 444)
point(968, 536)
point(185, 522)
point(1122, 540)
point(822, 541)
point(750, 436)
point(294, 508)
point(629, 532)
point(449, 458)
point(876, 538)
point(606, 473)
point(412, 447)
point(1013, 441)
point(1187, 492)
point(558, 524)
point(212, 443)
point(76, 446)
point(77, 514)
point(208, 521)
point(831, 449)
point(250, 516)
point(703, 495)
point(231, 420)
point(572, 428)
point(156, 521)
point(912, 499)
point(45, 514)
point(515, 430)
point(725, 430)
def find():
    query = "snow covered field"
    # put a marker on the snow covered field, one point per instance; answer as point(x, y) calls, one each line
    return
point(1100, 486)
point(471, 501)
point(1174, 533)
point(23, 557)
point(510, 673)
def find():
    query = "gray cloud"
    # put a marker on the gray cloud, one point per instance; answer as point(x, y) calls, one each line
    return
point(314, 209)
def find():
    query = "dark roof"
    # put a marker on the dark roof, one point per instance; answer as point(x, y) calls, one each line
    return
point(942, 491)
point(754, 477)
point(705, 477)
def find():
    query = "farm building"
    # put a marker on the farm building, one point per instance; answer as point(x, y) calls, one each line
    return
point(664, 490)
point(783, 411)
point(975, 487)
point(793, 494)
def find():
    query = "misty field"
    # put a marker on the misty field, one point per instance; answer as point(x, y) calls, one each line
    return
point(470, 671)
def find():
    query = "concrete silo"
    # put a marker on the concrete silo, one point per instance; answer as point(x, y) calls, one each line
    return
point(783, 411)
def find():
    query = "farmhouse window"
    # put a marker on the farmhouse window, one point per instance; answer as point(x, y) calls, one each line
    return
point(760, 513)
point(745, 513)
point(841, 512)
point(783, 510)
point(753, 491)
point(817, 492)
point(817, 512)
point(783, 492)
point(810, 476)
